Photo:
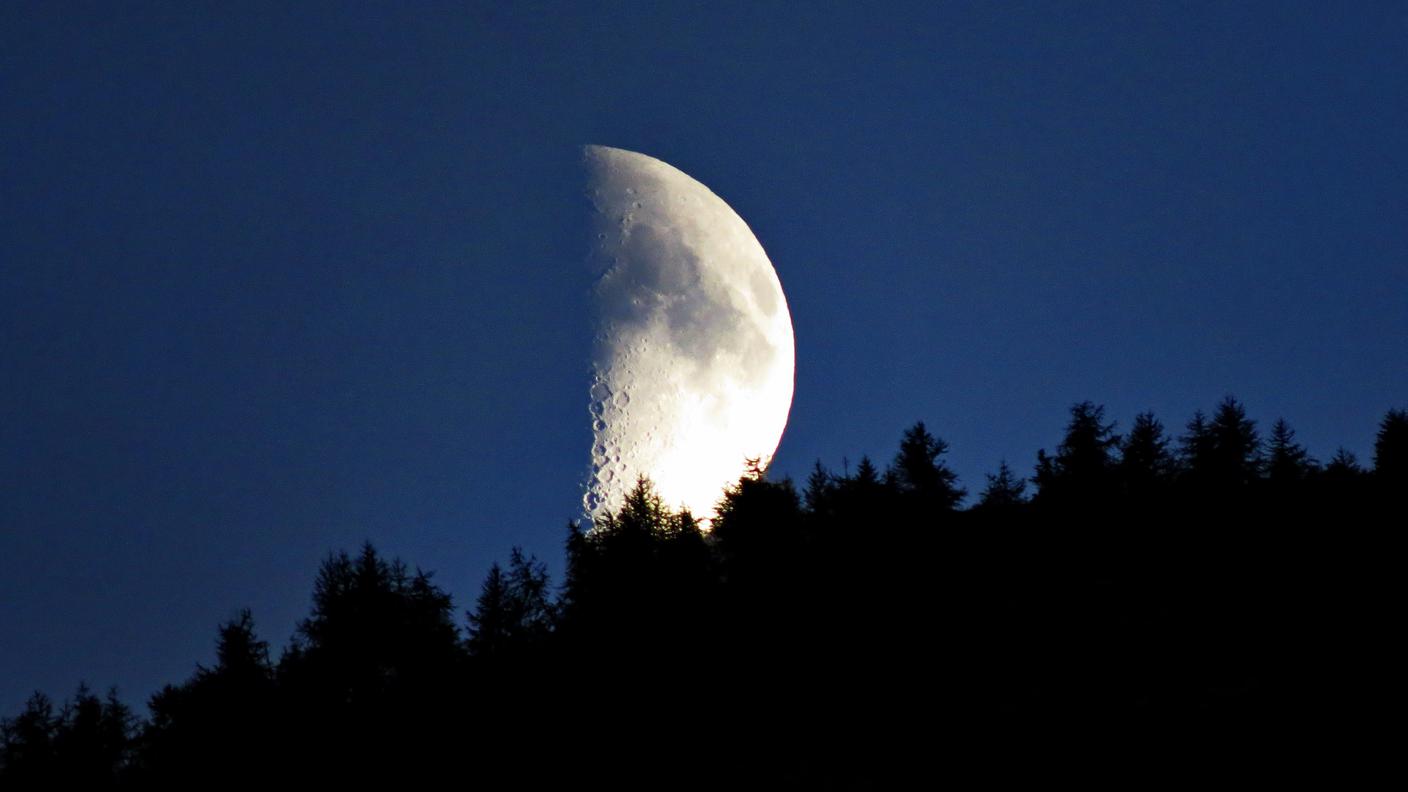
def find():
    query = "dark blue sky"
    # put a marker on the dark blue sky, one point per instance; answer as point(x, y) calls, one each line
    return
point(276, 280)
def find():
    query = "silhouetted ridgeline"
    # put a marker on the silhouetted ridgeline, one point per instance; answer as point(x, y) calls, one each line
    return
point(1206, 589)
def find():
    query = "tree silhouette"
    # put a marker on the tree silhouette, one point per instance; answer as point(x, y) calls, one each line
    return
point(84, 745)
point(221, 717)
point(1005, 490)
point(1195, 450)
point(515, 612)
point(1287, 462)
point(373, 611)
point(1145, 463)
point(371, 668)
point(758, 523)
point(793, 644)
point(91, 741)
point(1235, 449)
point(491, 623)
point(1343, 466)
point(27, 753)
point(918, 473)
point(1081, 471)
point(1391, 449)
point(639, 566)
point(866, 480)
point(821, 489)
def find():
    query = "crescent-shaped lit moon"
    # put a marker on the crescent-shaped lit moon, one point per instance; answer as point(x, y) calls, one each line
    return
point(694, 357)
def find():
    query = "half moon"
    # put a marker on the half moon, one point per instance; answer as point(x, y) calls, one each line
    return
point(693, 361)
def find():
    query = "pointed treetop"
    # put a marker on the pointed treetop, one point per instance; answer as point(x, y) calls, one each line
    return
point(1004, 489)
point(1391, 447)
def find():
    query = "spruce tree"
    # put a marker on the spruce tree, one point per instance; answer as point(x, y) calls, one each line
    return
point(1145, 460)
point(1081, 470)
point(918, 472)
point(1236, 458)
point(1004, 490)
point(1391, 449)
point(821, 488)
point(27, 755)
point(1287, 462)
point(489, 622)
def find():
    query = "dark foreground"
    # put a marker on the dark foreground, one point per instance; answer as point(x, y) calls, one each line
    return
point(1156, 604)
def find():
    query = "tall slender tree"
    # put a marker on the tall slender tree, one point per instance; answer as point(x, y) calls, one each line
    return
point(1287, 461)
point(1145, 460)
point(1235, 446)
point(490, 623)
point(1195, 447)
point(1391, 449)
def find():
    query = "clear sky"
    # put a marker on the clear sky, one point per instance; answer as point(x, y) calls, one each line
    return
point(278, 278)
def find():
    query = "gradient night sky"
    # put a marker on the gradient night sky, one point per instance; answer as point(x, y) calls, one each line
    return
point(274, 281)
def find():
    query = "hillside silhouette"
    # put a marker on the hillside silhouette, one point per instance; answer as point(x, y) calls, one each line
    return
point(1211, 583)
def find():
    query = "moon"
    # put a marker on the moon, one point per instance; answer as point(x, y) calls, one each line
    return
point(694, 357)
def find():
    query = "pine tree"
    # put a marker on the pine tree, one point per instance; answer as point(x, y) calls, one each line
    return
point(530, 591)
point(758, 522)
point(867, 477)
point(515, 612)
point(375, 631)
point(489, 622)
point(1236, 449)
point(1287, 462)
point(1081, 470)
point(918, 472)
point(1344, 464)
point(27, 754)
point(1005, 490)
point(821, 488)
point(1195, 450)
point(1342, 478)
point(1391, 449)
point(91, 740)
point(1145, 461)
point(220, 717)
point(240, 655)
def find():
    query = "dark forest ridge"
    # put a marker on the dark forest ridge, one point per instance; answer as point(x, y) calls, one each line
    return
point(854, 632)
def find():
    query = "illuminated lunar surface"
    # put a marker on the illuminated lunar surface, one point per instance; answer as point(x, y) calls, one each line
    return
point(693, 359)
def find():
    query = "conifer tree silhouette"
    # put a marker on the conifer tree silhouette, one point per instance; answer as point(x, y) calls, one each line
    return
point(799, 637)
point(758, 524)
point(1343, 467)
point(919, 473)
point(86, 744)
point(1081, 472)
point(515, 612)
point(221, 717)
point(821, 489)
point(27, 752)
point(371, 668)
point(91, 742)
point(1005, 490)
point(1195, 450)
point(490, 623)
point(1145, 463)
point(1235, 447)
point(628, 571)
point(1287, 462)
point(1391, 449)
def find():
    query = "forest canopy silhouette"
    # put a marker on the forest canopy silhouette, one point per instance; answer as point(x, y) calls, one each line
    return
point(1140, 581)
